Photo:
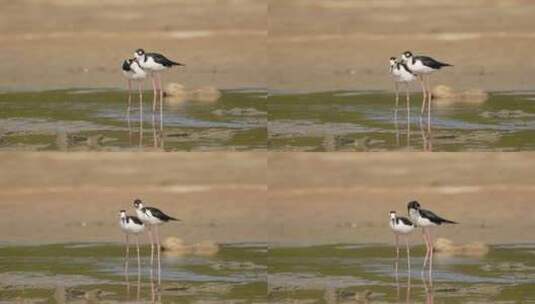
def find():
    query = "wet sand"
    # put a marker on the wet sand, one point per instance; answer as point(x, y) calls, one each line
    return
point(58, 197)
point(319, 198)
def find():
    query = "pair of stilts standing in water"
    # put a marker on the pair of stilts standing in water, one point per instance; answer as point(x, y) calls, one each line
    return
point(408, 69)
point(136, 70)
point(148, 218)
point(403, 226)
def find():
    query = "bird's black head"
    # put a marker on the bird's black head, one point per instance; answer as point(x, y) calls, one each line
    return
point(140, 52)
point(122, 213)
point(413, 205)
point(393, 58)
point(137, 203)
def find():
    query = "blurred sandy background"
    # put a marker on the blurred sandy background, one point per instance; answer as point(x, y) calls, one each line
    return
point(82, 43)
point(295, 45)
point(313, 198)
point(318, 45)
point(346, 197)
point(61, 197)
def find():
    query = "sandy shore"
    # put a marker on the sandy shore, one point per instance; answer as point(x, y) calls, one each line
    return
point(65, 44)
point(59, 197)
point(298, 45)
point(345, 44)
point(319, 198)
point(313, 198)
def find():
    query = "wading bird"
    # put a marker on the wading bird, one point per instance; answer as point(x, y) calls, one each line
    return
point(134, 73)
point(401, 74)
point(131, 225)
point(426, 219)
point(401, 226)
point(154, 63)
point(153, 217)
point(423, 66)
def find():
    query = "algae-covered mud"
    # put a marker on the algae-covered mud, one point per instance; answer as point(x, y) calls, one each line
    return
point(365, 274)
point(79, 120)
point(94, 273)
point(368, 121)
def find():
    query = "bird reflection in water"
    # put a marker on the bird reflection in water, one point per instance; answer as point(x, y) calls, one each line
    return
point(427, 285)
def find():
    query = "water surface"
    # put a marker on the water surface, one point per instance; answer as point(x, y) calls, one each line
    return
point(349, 273)
point(367, 121)
point(77, 272)
point(75, 120)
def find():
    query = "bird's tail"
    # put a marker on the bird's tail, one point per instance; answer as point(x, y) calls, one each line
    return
point(174, 219)
point(443, 64)
point(177, 63)
point(448, 221)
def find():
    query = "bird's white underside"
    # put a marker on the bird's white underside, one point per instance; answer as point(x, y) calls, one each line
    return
point(419, 68)
point(400, 227)
point(131, 227)
point(402, 75)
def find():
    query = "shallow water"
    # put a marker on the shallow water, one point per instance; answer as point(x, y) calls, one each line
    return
point(365, 274)
point(97, 120)
point(367, 121)
point(250, 273)
point(78, 272)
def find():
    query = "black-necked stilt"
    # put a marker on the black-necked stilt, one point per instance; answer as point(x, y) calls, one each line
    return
point(155, 63)
point(401, 226)
point(134, 73)
point(423, 66)
point(401, 74)
point(131, 225)
point(426, 219)
point(153, 217)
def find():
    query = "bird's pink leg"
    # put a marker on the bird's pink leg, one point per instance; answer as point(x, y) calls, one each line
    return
point(430, 237)
point(161, 101)
point(129, 100)
point(126, 258)
point(396, 88)
point(427, 248)
point(140, 89)
point(154, 90)
point(158, 251)
point(151, 247)
point(429, 97)
point(138, 258)
point(408, 253)
point(408, 114)
point(424, 92)
point(397, 255)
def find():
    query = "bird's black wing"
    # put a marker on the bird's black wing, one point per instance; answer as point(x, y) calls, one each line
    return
point(434, 218)
point(126, 66)
point(160, 215)
point(405, 220)
point(161, 59)
point(135, 219)
point(430, 62)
